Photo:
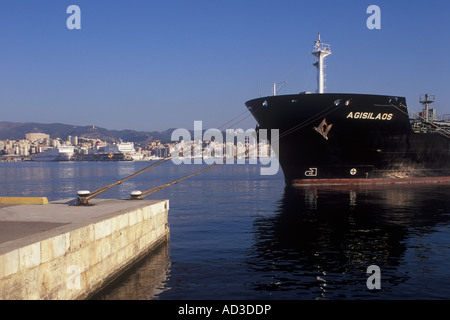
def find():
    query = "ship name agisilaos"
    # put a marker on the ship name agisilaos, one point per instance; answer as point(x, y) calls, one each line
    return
point(341, 139)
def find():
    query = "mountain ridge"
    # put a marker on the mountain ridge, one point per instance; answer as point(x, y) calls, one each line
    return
point(18, 130)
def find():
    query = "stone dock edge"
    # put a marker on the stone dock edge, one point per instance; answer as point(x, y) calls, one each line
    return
point(79, 249)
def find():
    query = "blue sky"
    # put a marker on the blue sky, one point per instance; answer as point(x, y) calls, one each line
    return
point(153, 65)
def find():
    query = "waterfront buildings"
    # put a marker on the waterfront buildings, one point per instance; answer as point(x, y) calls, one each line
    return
point(94, 149)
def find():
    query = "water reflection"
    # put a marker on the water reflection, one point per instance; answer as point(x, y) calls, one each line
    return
point(145, 280)
point(321, 241)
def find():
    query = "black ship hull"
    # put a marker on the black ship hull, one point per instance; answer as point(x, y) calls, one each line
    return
point(352, 139)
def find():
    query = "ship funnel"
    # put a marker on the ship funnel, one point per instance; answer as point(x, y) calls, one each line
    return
point(320, 51)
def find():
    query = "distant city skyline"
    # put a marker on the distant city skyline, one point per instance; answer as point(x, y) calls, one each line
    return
point(154, 65)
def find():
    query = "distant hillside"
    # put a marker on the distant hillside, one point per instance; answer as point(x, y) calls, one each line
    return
point(17, 131)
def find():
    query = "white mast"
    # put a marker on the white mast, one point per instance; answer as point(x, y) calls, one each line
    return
point(321, 51)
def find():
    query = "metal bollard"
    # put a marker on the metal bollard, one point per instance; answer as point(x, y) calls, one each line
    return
point(135, 195)
point(83, 197)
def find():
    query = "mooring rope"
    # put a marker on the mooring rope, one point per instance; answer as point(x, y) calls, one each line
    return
point(316, 117)
point(84, 198)
point(153, 190)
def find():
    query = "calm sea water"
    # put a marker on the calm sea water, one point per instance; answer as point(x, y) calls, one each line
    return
point(238, 235)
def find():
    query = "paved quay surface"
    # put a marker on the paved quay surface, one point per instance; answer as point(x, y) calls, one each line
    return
point(19, 221)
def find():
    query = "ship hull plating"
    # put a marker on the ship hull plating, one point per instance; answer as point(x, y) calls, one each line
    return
point(351, 139)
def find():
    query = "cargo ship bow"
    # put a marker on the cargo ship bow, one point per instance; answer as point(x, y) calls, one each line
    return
point(347, 138)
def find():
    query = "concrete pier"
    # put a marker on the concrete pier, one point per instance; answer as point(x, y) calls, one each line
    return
point(61, 251)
